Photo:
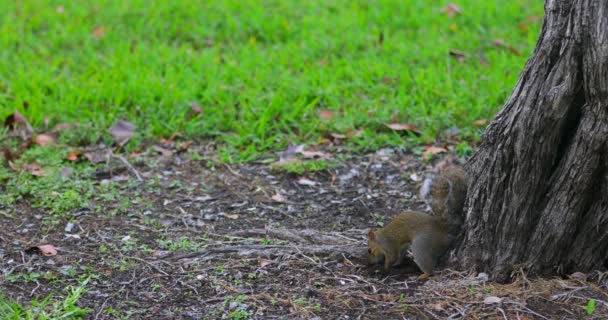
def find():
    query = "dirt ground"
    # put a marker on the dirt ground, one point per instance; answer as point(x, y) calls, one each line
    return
point(243, 242)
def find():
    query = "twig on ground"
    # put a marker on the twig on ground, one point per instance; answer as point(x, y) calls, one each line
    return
point(128, 165)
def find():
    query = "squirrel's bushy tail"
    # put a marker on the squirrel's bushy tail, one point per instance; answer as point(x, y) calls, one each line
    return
point(445, 192)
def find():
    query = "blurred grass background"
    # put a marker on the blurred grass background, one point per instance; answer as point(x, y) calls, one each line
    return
point(262, 71)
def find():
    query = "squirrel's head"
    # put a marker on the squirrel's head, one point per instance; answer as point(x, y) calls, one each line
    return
point(375, 252)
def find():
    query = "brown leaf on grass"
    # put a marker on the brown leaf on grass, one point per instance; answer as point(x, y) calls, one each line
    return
point(403, 127)
point(502, 44)
point(482, 59)
point(431, 150)
point(380, 38)
point(164, 152)
point(278, 198)
point(94, 157)
point(338, 136)
point(16, 121)
point(47, 250)
point(196, 109)
point(354, 133)
point(33, 169)
point(514, 50)
point(99, 32)
point(459, 55)
point(451, 10)
point(122, 132)
point(480, 122)
point(9, 155)
point(171, 138)
point(533, 19)
point(44, 140)
point(499, 42)
point(523, 27)
point(62, 127)
point(326, 114)
point(73, 155)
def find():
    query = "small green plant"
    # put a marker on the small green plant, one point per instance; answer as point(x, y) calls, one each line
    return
point(300, 168)
point(183, 244)
point(219, 269)
point(464, 149)
point(590, 307)
point(239, 309)
point(51, 307)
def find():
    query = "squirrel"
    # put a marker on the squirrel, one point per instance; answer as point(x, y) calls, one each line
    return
point(428, 236)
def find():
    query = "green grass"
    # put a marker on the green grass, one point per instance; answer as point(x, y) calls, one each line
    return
point(261, 70)
point(61, 306)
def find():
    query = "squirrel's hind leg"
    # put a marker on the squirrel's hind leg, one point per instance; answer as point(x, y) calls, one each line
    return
point(422, 248)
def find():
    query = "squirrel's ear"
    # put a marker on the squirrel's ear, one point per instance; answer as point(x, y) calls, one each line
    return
point(372, 234)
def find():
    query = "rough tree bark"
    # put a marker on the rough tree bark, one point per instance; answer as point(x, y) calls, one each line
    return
point(538, 186)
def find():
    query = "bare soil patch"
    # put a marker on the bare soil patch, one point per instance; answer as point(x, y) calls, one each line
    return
point(212, 242)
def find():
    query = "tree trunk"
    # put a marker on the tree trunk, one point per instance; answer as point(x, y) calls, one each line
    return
point(538, 186)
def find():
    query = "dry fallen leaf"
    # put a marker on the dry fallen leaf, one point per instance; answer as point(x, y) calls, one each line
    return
point(403, 127)
point(171, 138)
point(95, 157)
point(16, 121)
point(523, 27)
point(326, 114)
point(278, 198)
point(459, 55)
point(482, 59)
point(315, 154)
point(62, 126)
point(99, 32)
point(480, 122)
point(73, 155)
point(122, 132)
point(44, 140)
point(264, 262)
point(451, 10)
point(431, 150)
point(33, 169)
point(47, 250)
point(354, 133)
point(164, 152)
point(492, 300)
point(196, 109)
point(231, 216)
point(578, 276)
point(184, 145)
point(9, 155)
point(306, 182)
point(499, 42)
point(338, 136)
